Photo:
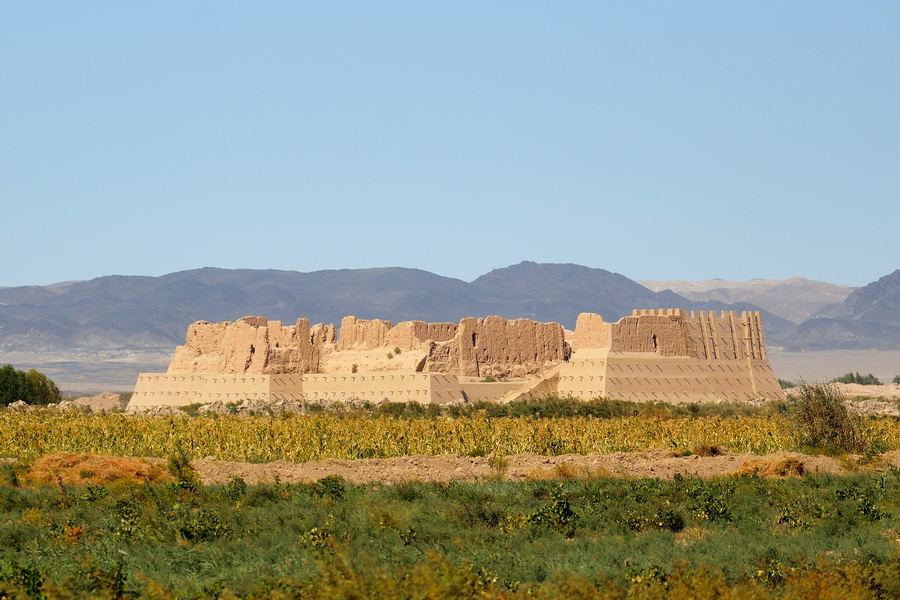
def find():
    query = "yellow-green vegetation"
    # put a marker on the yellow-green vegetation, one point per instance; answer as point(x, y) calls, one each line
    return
point(816, 421)
point(749, 537)
point(301, 438)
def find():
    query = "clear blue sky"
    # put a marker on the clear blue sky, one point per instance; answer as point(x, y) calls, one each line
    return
point(658, 140)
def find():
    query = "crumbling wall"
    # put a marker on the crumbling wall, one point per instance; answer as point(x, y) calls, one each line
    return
point(591, 331)
point(496, 347)
point(251, 345)
point(665, 335)
point(475, 347)
point(362, 334)
point(410, 335)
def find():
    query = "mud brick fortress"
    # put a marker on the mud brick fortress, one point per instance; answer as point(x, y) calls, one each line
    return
point(666, 354)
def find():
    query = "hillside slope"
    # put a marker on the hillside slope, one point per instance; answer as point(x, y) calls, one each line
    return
point(868, 319)
point(133, 313)
point(794, 299)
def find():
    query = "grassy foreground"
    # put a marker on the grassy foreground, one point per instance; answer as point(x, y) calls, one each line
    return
point(812, 537)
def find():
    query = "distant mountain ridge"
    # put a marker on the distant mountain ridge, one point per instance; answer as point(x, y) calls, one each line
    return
point(869, 318)
point(135, 312)
point(794, 299)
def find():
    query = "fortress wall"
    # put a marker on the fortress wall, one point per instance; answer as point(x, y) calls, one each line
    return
point(167, 389)
point(584, 376)
point(425, 388)
point(664, 354)
point(497, 347)
point(665, 335)
point(622, 376)
point(440, 332)
point(291, 349)
point(361, 334)
point(591, 332)
point(321, 334)
point(477, 391)
point(249, 345)
point(650, 355)
point(410, 335)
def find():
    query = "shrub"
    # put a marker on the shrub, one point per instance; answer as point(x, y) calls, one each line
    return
point(185, 475)
point(896, 378)
point(820, 420)
point(857, 378)
point(785, 384)
point(235, 488)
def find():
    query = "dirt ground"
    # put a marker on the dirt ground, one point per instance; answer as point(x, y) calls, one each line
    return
point(651, 463)
point(664, 464)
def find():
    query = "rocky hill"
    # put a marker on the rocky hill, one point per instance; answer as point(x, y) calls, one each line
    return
point(138, 313)
point(869, 318)
point(794, 299)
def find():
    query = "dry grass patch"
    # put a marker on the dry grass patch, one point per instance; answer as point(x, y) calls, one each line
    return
point(712, 450)
point(779, 466)
point(565, 470)
point(91, 469)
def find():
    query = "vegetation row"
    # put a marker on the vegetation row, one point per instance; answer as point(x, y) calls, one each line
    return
point(748, 537)
point(814, 419)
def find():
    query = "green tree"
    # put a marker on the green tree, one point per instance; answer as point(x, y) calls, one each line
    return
point(40, 389)
point(12, 385)
point(857, 378)
point(896, 378)
point(32, 387)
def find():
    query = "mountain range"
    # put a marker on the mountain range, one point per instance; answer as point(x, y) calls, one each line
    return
point(794, 299)
point(137, 313)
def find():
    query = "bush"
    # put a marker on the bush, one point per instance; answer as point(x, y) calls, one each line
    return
point(857, 378)
point(821, 421)
point(896, 378)
point(785, 384)
point(185, 475)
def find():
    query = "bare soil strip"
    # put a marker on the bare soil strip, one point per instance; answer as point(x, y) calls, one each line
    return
point(651, 463)
point(80, 469)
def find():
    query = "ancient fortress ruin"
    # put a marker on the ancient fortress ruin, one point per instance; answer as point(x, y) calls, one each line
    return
point(666, 355)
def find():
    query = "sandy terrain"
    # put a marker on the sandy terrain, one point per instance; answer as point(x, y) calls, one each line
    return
point(664, 464)
point(825, 365)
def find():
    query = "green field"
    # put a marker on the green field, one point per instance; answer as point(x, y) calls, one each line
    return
point(610, 538)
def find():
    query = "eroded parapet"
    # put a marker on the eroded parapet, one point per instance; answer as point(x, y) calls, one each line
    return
point(494, 346)
point(411, 335)
point(591, 331)
point(362, 334)
point(674, 332)
point(474, 347)
point(249, 345)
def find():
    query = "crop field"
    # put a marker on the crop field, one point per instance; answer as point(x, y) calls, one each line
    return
point(299, 438)
point(158, 533)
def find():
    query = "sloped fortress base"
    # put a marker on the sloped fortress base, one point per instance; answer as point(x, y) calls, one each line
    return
point(663, 355)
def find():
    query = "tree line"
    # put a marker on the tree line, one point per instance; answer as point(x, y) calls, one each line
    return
point(32, 387)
